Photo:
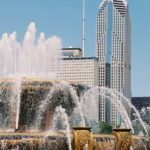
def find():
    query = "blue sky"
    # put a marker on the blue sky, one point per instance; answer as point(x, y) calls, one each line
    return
point(64, 19)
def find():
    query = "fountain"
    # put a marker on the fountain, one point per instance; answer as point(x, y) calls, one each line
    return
point(37, 111)
point(83, 138)
point(123, 137)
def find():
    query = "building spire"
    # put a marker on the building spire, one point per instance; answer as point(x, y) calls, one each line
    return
point(83, 29)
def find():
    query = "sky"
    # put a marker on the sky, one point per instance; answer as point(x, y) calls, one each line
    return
point(64, 19)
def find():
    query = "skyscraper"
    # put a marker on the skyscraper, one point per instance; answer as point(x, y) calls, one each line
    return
point(114, 53)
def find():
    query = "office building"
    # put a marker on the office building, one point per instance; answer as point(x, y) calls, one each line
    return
point(78, 69)
point(83, 70)
point(114, 53)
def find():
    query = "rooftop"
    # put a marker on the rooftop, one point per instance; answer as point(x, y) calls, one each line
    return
point(80, 58)
point(72, 48)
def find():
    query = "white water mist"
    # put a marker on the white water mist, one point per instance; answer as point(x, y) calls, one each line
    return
point(34, 57)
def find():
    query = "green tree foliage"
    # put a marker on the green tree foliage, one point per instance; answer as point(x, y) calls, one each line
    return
point(105, 128)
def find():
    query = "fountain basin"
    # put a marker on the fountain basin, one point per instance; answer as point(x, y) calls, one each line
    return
point(57, 140)
point(82, 128)
point(34, 91)
point(122, 130)
point(33, 141)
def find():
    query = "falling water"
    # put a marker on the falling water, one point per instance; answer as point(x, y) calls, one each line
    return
point(5, 95)
point(122, 109)
point(42, 109)
point(135, 110)
point(50, 100)
point(140, 144)
point(78, 103)
point(61, 122)
point(114, 95)
point(18, 101)
point(105, 92)
point(82, 123)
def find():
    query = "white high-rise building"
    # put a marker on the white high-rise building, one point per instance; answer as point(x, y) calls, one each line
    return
point(81, 70)
point(114, 53)
point(78, 69)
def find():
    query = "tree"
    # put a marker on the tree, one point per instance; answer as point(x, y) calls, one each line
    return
point(105, 128)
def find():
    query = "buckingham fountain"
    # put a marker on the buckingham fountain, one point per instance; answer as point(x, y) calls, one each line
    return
point(40, 112)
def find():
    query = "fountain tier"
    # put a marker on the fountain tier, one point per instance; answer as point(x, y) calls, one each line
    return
point(37, 101)
point(58, 141)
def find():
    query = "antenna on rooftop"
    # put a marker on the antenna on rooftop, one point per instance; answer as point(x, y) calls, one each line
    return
point(83, 29)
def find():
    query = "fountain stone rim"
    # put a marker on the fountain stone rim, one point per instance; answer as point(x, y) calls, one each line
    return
point(122, 130)
point(82, 128)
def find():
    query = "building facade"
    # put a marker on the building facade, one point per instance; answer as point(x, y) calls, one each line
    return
point(114, 53)
point(82, 70)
